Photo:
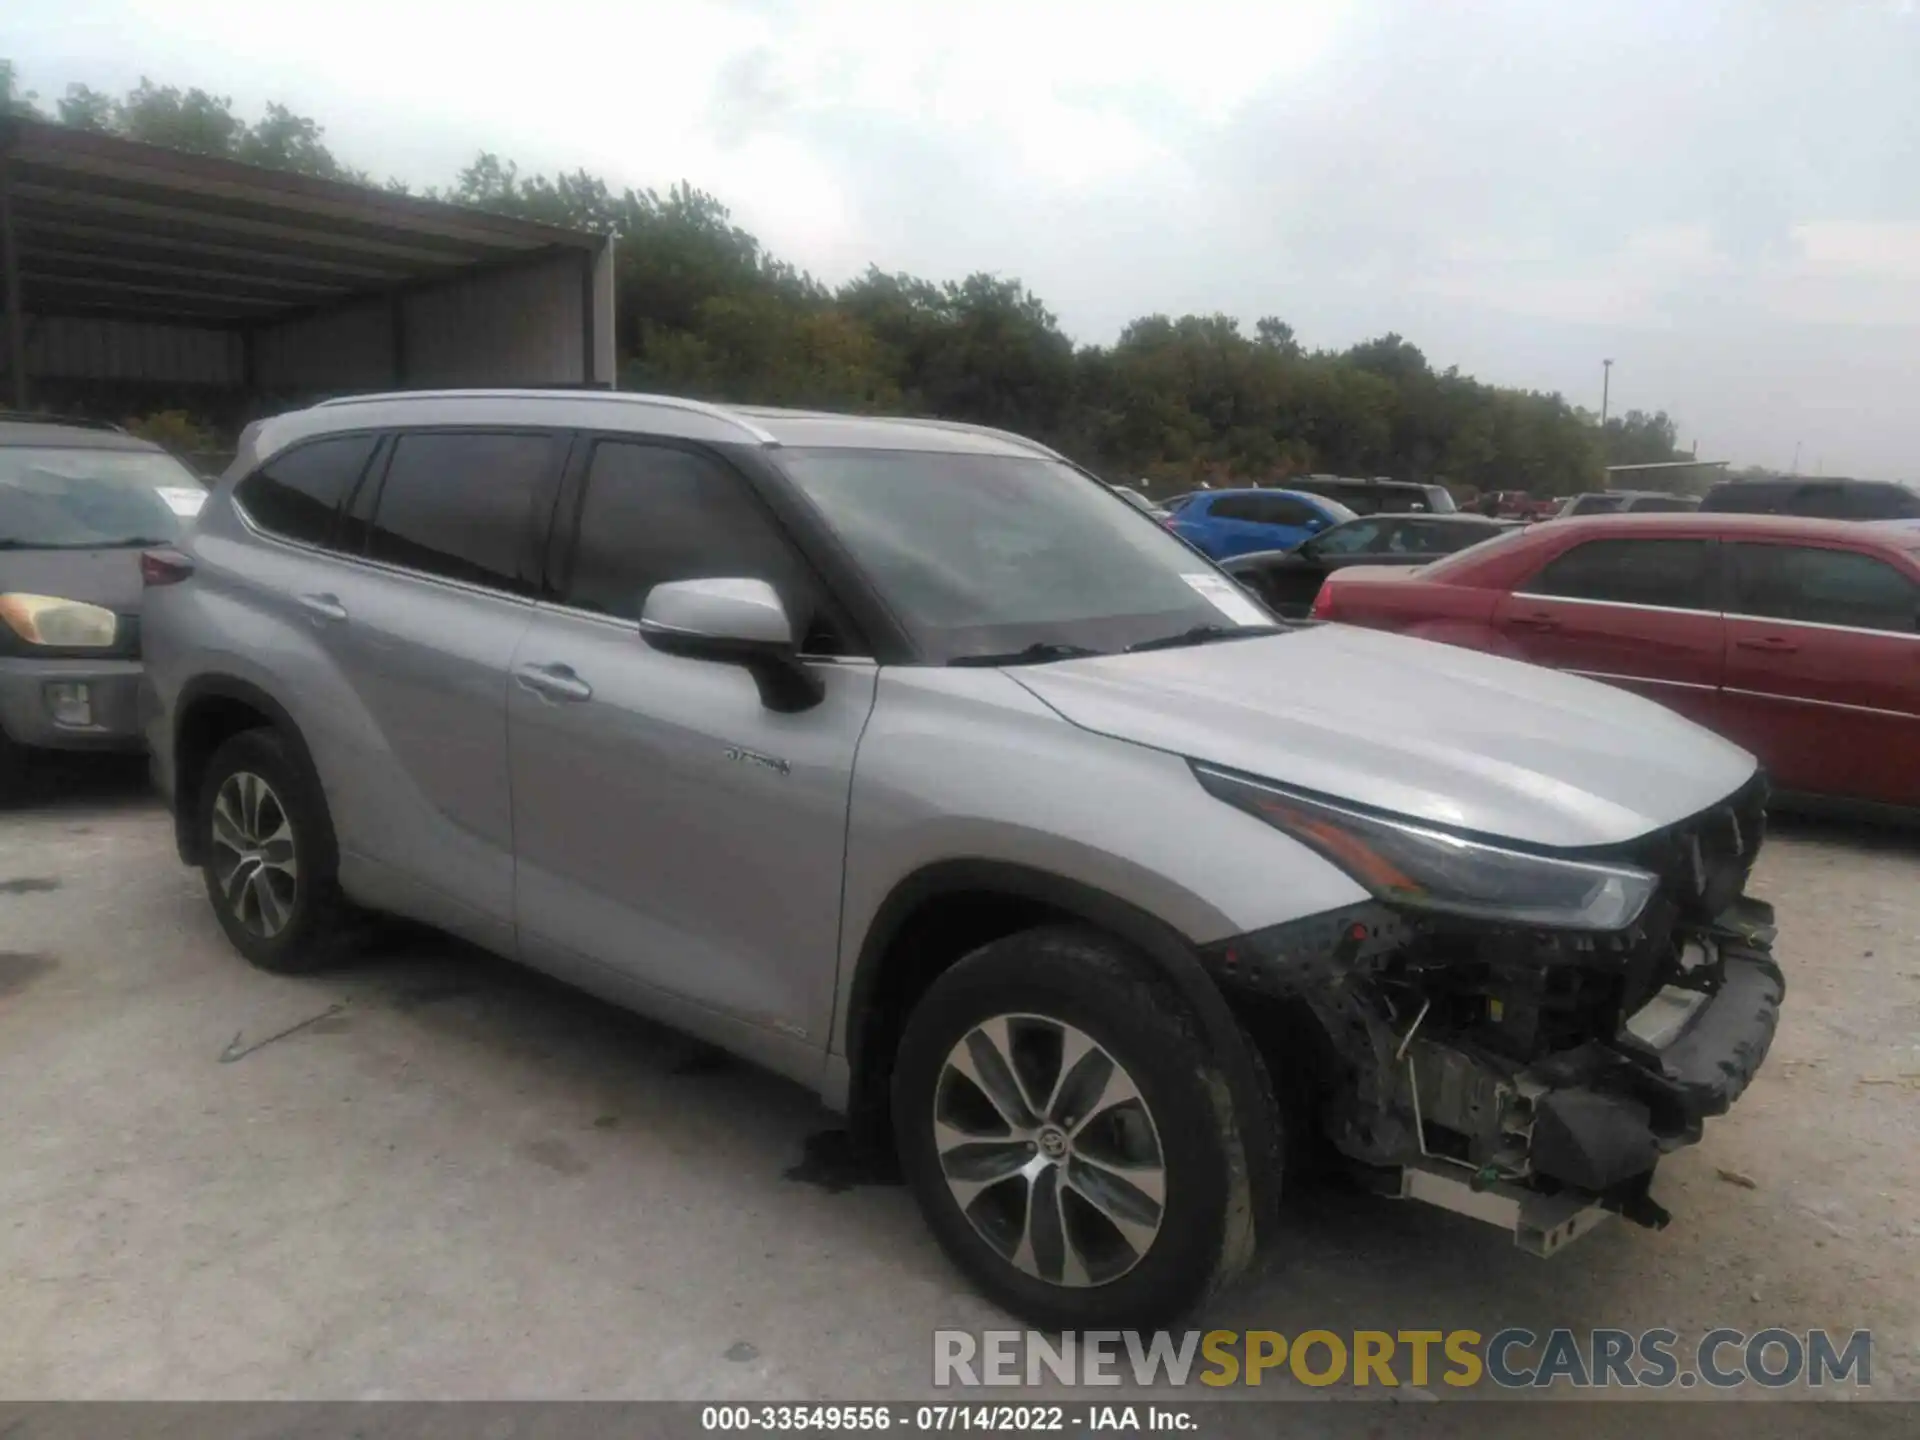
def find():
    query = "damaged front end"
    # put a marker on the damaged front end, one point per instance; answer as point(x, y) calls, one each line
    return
point(1526, 1073)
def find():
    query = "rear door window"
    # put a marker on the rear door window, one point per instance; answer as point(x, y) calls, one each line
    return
point(1668, 574)
point(1827, 502)
point(297, 494)
point(1283, 510)
point(1235, 507)
point(462, 506)
point(1880, 502)
point(1823, 587)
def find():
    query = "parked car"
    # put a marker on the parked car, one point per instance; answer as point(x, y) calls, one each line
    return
point(1372, 497)
point(1287, 580)
point(1835, 499)
point(1140, 501)
point(1220, 523)
point(78, 502)
point(1623, 502)
point(1794, 638)
point(895, 757)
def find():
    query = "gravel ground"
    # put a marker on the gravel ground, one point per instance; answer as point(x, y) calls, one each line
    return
point(457, 1180)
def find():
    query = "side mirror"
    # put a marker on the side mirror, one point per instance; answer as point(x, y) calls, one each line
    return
point(738, 622)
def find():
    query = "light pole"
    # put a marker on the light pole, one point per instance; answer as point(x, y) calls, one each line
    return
point(1606, 384)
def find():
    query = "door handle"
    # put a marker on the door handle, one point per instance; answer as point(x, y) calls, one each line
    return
point(323, 609)
point(1538, 620)
point(1775, 644)
point(553, 682)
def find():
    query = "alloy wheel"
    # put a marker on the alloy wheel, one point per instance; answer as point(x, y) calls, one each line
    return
point(254, 860)
point(1049, 1150)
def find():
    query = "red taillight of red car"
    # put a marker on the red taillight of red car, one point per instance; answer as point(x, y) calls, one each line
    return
point(164, 567)
point(1323, 603)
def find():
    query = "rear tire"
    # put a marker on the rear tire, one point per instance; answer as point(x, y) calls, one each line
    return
point(1070, 1136)
point(270, 865)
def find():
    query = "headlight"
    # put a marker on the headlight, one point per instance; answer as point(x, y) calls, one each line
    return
point(1404, 862)
point(67, 624)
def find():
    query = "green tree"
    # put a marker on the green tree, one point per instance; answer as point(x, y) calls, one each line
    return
point(13, 99)
point(86, 109)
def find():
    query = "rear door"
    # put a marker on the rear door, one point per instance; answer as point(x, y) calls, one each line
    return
point(1284, 521)
point(1823, 668)
point(1643, 614)
point(1234, 526)
point(447, 549)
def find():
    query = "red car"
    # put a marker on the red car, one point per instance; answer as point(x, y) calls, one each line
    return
point(1798, 639)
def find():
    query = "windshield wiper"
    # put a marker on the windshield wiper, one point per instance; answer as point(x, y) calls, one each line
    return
point(1037, 653)
point(1202, 635)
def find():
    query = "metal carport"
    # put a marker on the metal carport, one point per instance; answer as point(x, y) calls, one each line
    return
point(129, 269)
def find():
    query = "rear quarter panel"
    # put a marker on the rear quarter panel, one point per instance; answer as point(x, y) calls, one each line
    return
point(1392, 598)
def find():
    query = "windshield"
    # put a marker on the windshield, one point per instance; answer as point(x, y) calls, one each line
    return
point(990, 554)
point(71, 498)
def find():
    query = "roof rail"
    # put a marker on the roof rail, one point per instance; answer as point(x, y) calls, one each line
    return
point(618, 397)
point(965, 427)
point(44, 417)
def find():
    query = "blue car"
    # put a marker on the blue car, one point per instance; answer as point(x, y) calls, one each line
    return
point(1237, 522)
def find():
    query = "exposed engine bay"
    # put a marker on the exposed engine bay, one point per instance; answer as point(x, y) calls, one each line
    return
point(1534, 1078)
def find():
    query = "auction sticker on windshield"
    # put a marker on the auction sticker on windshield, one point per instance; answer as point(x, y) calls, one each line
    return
point(1227, 598)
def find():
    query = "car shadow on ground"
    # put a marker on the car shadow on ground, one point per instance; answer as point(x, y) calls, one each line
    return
point(54, 781)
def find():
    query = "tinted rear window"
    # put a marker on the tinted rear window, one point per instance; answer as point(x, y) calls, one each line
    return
point(1823, 587)
point(461, 506)
point(296, 495)
point(1672, 574)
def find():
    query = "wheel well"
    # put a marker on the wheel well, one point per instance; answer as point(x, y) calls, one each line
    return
point(937, 933)
point(205, 724)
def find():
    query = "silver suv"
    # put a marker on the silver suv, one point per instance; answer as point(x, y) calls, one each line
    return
point(909, 761)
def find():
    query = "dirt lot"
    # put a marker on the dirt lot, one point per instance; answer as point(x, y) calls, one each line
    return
point(457, 1180)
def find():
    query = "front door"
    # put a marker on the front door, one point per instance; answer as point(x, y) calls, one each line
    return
point(668, 827)
point(1642, 614)
point(1823, 670)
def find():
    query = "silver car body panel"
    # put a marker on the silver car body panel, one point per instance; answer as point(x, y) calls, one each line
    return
point(1499, 748)
point(667, 840)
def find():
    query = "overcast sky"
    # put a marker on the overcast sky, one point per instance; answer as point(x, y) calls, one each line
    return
point(1721, 195)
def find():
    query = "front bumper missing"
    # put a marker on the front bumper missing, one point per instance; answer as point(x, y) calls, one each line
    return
point(1540, 1224)
point(1546, 1148)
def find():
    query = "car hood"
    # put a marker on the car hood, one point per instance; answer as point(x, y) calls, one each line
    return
point(98, 577)
point(1414, 727)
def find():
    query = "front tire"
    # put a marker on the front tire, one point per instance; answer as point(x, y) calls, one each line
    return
point(270, 858)
point(1069, 1136)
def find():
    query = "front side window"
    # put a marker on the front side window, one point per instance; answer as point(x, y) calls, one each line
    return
point(655, 513)
point(1671, 574)
point(1823, 587)
point(989, 554)
point(1356, 537)
point(74, 498)
point(461, 506)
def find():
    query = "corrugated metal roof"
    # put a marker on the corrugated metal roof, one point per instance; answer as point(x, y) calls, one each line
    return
point(112, 228)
